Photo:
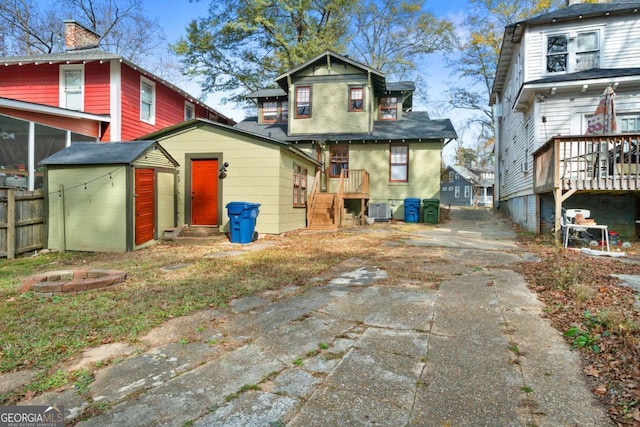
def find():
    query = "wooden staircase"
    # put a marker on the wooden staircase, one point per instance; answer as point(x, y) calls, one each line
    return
point(325, 210)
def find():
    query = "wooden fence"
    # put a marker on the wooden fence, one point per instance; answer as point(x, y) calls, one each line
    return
point(21, 222)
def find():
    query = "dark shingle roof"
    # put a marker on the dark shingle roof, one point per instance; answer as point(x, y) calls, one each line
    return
point(594, 73)
point(583, 10)
point(267, 93)
point(401, 86)
point(101, 153)
point(414, 125)
point(94, 54)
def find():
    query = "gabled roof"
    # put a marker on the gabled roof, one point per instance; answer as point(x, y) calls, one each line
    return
point(329, 57)
point(415, 125)
point(472, 176)
point(576, 12)
point(103, 153)
point(97, 54)
point(194, 123)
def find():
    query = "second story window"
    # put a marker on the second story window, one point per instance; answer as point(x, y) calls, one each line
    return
point(573, 52)
point(72, 87)
point(189, 110)
point(388, 108)
point(629, 123)
point(339, 159)
point(356, 99)
point(147, 101)
point(269, 111)
point(303, 101)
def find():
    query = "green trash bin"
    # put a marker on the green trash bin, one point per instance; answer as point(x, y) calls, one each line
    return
point(431, 211)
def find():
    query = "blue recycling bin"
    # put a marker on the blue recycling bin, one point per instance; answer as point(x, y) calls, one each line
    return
point(411, 209)
point(242, 221)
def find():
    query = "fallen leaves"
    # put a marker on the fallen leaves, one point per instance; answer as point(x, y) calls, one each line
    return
point(562, 280)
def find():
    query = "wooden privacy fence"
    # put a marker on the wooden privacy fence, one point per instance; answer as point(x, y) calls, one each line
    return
point(21, 221)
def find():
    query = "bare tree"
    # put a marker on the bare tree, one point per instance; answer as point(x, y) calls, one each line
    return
point(31, 27)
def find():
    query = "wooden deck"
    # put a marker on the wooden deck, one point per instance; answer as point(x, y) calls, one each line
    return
point(587, 163)
point(566, 165)
point(325, 210)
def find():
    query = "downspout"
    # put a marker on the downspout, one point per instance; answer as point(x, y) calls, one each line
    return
point(496, 150)
point(370, 94)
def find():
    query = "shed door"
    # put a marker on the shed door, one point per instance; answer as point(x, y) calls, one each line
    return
point(204, 192)
point(145, 207)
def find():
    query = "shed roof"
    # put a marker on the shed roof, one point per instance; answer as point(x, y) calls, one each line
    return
point(103, 153)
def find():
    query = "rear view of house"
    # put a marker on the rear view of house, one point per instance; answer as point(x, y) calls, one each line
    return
point(374, 149)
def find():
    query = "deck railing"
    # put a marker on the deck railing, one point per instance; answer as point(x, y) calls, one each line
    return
point(354, 181)
point(588, 162)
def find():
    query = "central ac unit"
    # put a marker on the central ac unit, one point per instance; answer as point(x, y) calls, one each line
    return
point(379, 211)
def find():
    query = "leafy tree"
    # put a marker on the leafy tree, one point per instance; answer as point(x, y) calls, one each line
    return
point(242, 45)
point(392, 36)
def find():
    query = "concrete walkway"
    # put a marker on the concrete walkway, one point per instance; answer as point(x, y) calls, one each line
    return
point(473, 351)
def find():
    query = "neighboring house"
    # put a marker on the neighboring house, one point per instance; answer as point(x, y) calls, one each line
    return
point(551, 74)
point(460, 186)
point(49, 101)
point(374, 150)
point(221, 164)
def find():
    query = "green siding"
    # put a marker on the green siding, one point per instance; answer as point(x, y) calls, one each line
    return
point(329, 101)
point(165, 208)
point(424, 172)
point(255, 175)
point(95, 217)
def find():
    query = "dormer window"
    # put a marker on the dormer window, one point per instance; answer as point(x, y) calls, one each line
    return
point(356, 99)
point(573, 52)
point(274, 111)
point(388, 108)
point(269, 111)
point(303, 102)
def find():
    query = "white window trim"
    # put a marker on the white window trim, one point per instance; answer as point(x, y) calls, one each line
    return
point(571, 48)
point(62, 84)
point(152, 119)
point(187, 105)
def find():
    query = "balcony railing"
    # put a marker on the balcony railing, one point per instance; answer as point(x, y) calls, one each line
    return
point(588, 162)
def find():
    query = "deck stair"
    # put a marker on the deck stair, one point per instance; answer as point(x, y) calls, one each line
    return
point(326, 209)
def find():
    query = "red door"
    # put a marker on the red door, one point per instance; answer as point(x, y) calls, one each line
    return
point(145, 205)
point(204, 192)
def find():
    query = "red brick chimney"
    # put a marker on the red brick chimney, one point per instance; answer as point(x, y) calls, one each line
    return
point(77, 36)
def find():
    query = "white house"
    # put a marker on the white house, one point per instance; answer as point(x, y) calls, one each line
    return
point(551, 74)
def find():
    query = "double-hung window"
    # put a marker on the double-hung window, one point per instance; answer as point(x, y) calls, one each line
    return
point(189, 110)
point(147, 101)
point(303, 101)
point(356, 99)
point(299, 186)
point(399, 163)
point(388, 108)
point(339, 159)
point(72, 87)
point(629, 123)
point(269, 111)
point(573, 51)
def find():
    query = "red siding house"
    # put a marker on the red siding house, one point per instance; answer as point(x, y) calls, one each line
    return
point(49, 101)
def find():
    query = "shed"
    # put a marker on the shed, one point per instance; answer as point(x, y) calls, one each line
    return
point(223, 164)
point(109, 197)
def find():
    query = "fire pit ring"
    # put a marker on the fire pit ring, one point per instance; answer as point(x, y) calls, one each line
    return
point(70, 282)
